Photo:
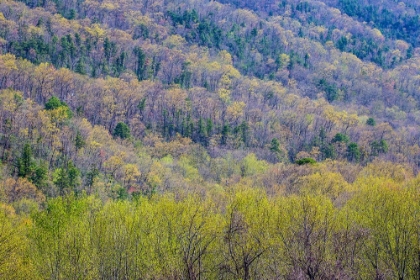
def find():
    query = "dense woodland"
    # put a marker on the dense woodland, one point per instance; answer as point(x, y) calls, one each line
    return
point(189, 139)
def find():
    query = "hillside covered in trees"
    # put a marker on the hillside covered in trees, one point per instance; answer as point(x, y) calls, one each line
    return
point(189, 139)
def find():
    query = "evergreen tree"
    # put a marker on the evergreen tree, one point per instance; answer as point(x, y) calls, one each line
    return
point(340, 137)
point(40, 175)
point(225, 134)
point(209, 127)
point(328, 151)
point(353, 152)
point(304, 161)
point(73, 174)
point(142, 105)
point(275, 145)
point(379, 147)
point(25, 163)
point(67, 178)
point(322, 135)
point(60, 180)
point(53, 103)
point(80, 67)
point(122, 131)
point(244, 128)
point(202, 131)
point(371, 122)
point(79, 142)
point(141, 63)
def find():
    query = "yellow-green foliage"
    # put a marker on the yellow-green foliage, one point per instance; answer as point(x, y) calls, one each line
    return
point(236, 233)
point(391, 213)
point(14, 263)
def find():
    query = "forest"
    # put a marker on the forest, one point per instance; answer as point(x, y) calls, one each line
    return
point(190, 139)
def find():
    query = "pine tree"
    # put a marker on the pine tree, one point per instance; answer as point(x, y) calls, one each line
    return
point(225, 134)
point(275, 145)
point(80, 67)
point(122, 131)
point(53, 103)
point(79, 142)
point(25, 163)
